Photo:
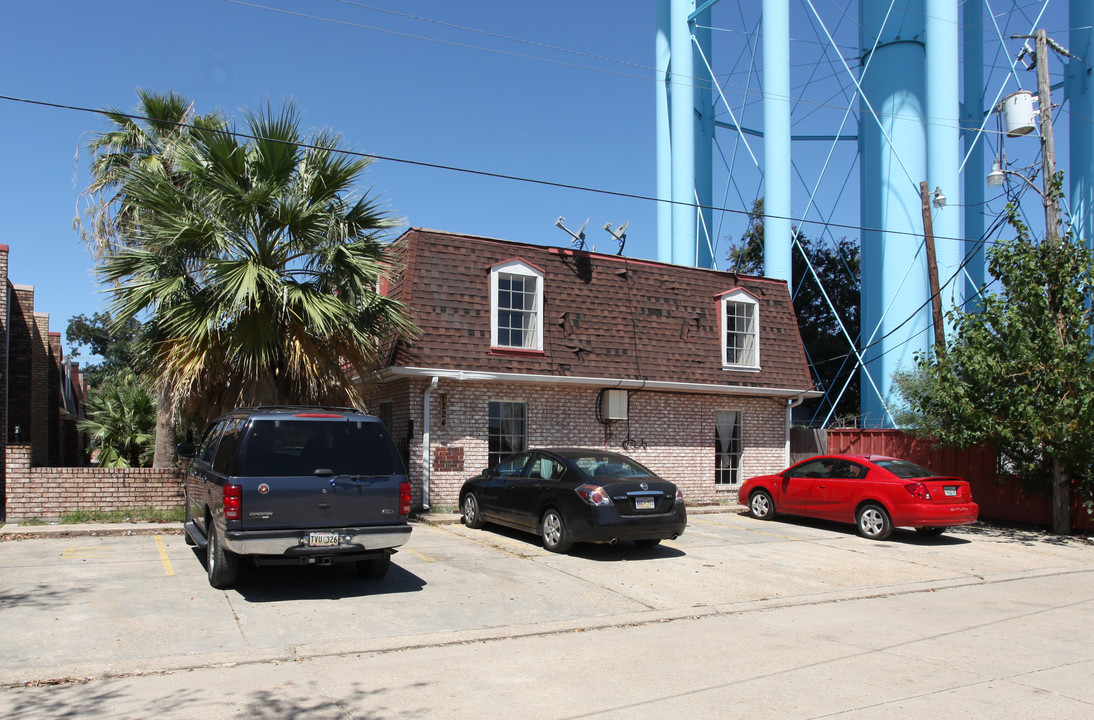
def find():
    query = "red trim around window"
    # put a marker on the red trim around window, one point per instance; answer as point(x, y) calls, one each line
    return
point(516, 352)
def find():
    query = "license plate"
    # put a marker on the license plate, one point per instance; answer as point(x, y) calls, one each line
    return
point(643, 503)
point(950, 491)
point(322, 539)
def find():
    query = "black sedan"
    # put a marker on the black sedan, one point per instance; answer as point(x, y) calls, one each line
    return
point(568, 495)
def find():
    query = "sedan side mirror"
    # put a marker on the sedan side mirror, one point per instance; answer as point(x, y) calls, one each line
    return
point(186, 450)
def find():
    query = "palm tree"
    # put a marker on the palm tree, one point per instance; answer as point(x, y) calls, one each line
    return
point(148, 140)
point(259, 270)
point(121, 419)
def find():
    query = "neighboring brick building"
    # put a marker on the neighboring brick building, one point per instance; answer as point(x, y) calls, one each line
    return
point(690, 371)
point(42, 393)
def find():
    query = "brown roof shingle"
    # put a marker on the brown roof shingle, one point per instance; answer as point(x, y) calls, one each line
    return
point(604, 316)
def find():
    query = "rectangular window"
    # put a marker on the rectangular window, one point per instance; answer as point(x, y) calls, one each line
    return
point(517, 310)
point(740, 333)
point(386, 414)
point(508, 430)
point(727, 448)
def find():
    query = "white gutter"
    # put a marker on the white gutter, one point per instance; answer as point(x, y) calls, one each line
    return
point(791, 403)
point(791, 394)
point(425, 441)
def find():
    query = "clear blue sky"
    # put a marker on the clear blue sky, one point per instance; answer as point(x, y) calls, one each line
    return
point(569, 118)
point(391, 85)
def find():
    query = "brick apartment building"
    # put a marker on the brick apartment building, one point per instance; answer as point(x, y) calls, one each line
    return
point(43, 393)
point(692, 372)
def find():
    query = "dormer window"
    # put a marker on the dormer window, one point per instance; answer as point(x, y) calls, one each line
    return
point(740, 330)
point(516, 306)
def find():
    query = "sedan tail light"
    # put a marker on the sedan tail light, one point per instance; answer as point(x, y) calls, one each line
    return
point(404, 498)
point(679, 495)
point(233, 502)
point(918, 490)
point(594, 495)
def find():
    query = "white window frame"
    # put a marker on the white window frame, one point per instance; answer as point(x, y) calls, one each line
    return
point(739, 297)
point(495, 456)
point(517, 268)
point(734, 447)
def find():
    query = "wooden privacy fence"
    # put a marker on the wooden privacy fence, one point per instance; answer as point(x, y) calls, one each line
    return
point(979, 466)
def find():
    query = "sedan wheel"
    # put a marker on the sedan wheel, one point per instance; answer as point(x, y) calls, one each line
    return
point(472, 516)
point(873, 522)
point(553, 532)
point(761, 506)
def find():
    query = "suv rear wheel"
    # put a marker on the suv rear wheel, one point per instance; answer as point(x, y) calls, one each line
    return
point(375, 568)
point(222, 565)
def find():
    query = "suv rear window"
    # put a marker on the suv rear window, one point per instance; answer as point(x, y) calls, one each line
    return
point(283, 448)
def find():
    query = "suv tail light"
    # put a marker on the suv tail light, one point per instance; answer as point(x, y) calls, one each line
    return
point(918, 490)
point(594, 495)
point(233, 502)
point(404, 498)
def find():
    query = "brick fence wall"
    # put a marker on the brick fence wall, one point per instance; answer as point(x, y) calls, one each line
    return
point(49, 492)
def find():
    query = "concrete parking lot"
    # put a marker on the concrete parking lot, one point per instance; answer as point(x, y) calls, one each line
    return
point(736, 618)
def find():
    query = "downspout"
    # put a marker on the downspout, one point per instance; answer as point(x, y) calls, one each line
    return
point(425, 441)
point(791, 403)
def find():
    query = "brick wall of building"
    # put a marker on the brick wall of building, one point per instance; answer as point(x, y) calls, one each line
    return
point(673, 433)
point(20, 362)
point(49, 492)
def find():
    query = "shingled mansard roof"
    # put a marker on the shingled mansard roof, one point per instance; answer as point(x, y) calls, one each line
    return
point(608, 321)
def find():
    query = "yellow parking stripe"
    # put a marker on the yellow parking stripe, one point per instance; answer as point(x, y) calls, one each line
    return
point(419, 554)
point(82, 553)
point(167, 569)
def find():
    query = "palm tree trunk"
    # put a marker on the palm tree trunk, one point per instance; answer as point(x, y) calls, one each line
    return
point(165, 431)
point(1061, 499)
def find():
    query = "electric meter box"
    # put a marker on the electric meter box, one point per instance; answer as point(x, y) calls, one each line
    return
point(613, 405)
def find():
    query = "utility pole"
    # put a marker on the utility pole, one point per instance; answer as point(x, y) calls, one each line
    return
point(932, 270)
point(1048, 145)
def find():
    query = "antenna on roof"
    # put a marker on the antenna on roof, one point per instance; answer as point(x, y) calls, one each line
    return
point(578, 237)
point(619, 235)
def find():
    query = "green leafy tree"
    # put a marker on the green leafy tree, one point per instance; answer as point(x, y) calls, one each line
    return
point(834, 266)
point(257, 268)
point(121, 419)
point(104, 338)
point(1018, 373)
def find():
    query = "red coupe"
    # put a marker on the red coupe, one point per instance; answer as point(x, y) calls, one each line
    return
point(875, 493)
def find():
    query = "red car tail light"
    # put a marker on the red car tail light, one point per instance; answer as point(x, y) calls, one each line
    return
point(594, 495)
point(918, 490)
point(404, 498)
point(233, 502)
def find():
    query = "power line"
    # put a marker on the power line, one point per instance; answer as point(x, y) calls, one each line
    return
point(498, 176)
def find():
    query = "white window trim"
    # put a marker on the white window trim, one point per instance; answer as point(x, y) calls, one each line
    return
point(516, 267)
point(739, 480)
point(739, 296)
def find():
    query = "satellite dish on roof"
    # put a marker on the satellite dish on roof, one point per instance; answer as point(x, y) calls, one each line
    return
point(620, 235)
point(578, 237)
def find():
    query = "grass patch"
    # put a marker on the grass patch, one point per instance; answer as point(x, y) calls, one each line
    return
point(33, 521)
point(125, 515)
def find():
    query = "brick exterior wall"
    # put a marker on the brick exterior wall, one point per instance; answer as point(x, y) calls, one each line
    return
point(49, 492)
point(673, 432)
point(20, 353)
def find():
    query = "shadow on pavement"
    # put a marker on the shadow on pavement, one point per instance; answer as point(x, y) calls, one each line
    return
point(278, 583)
point(601, 552)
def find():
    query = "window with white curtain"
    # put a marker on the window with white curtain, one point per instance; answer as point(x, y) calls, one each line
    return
point(516, 306)
point(728, 448)
point(507, 432)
